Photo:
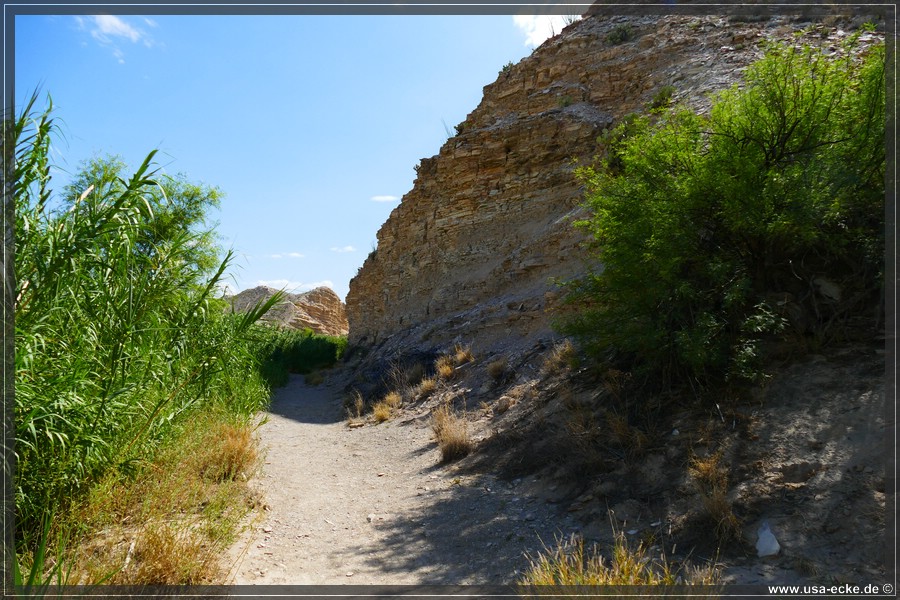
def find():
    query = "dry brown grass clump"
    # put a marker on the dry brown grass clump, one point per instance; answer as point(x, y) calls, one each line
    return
point(356, 405)
point(462, 354)
point(444, 367)
point(229, 454)
point(452, 433)
point(393, 399)
point(569, 564)
point(560, 358)
point(426, 387)
point(710, 478)
point(164, 555)
point(630, 438)
point(172, 521)
point(381, 412)
point(498, 369)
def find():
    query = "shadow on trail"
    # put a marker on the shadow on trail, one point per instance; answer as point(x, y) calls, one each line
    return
point(468, 536)
point(318, 405)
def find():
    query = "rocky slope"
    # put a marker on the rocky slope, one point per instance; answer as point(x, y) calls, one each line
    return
point(471, 252)
point(320, 309)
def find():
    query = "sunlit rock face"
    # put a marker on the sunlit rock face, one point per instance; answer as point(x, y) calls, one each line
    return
point(472, 251)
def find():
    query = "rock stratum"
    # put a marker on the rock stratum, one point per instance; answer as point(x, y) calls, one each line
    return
point(320, 309)
point(471, 253)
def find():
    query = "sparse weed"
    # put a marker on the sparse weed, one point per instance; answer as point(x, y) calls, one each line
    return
point(498, 369)
point(393, 399)
point(228, 453)
point(381, 412)
point(560, 358)
point(570, 564)
point(462, 354)
point(710, 477)
point(452, 433)
point(444, 367)
point(426, 387)
point(355, 405)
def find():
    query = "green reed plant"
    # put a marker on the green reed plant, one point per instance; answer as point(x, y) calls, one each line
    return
point(118, 335)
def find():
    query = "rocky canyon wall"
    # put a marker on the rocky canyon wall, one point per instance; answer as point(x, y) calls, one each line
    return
point(471, 252)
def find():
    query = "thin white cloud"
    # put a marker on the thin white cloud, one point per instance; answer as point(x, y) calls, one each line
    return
point(110, 30)
point(107, 27)
point(538, 29)
point(344, 249)
point(279, 255)
point(294, 255)
point(384, 198)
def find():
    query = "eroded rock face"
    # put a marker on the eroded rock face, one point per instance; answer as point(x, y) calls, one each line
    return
point(319, 309)
point(471, 252)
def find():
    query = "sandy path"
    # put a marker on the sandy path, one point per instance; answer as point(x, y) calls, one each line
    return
point(373, 506)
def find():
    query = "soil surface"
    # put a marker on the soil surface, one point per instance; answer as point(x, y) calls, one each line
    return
point(374, 505)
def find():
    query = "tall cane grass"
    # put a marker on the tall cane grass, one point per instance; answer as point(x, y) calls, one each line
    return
point(118, 333)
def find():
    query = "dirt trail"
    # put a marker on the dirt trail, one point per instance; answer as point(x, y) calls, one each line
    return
point(373, 505)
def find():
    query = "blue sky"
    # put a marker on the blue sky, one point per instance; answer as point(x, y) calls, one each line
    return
point(310, 125)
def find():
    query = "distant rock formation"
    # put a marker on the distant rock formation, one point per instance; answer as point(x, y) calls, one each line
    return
point(471, 252)
point(319, 309)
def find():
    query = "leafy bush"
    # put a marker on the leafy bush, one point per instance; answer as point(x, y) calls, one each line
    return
point(696, 220)
point(620, 34)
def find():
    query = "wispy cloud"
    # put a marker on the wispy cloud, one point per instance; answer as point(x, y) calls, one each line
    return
point(280, 255)
point(384, 198)
point(538, 29)
point(344, 249)
point(110, 30)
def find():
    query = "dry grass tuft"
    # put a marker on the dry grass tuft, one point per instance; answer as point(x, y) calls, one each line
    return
point(631, 439)
point(570, 564)
point(426, 387)
point(381, 412)
point(462, 354)
point(498, 369)
point(445, 367)
point(355, 405)
point(560, 358)
point(229, 454)
point(710, 478)
point(452, 434)
point(393, 399)
point(164, 555)
point(188, 501)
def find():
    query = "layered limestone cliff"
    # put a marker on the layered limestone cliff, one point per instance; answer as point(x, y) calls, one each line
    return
point(320, 309)
point(471, 253)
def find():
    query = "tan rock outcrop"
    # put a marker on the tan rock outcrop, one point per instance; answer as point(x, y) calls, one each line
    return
point(319, 309)
point(472, 251)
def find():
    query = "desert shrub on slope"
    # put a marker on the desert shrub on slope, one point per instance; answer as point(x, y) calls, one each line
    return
point(719, 233)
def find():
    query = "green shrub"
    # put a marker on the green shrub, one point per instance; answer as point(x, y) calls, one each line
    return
point(663, 97)
point(620, 34)
point(696, 218)
point(283, 351)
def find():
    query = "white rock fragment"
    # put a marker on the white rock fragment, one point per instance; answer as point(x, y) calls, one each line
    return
point(766, 544)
